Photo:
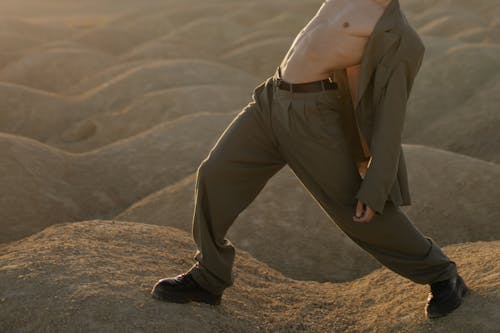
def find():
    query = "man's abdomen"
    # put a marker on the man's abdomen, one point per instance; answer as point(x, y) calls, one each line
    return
point(314, 59)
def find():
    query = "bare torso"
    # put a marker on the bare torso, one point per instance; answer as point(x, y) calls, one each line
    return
point(334, 38)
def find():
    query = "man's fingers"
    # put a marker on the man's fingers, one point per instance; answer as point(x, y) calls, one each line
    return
point(363, 213)
point(359, 209)
point(360, 219)
point(359, 212)
point(365, 218)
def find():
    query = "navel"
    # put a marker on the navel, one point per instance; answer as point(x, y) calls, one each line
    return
point(346, 24)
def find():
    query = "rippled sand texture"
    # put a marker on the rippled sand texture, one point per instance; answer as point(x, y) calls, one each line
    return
point(108, 107)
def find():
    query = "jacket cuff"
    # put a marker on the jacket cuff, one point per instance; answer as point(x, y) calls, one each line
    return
point(373, 198)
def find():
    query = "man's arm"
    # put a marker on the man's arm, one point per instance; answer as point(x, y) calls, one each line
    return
point(386, 140)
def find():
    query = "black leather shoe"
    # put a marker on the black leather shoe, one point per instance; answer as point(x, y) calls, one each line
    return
point(445, 296)
point(183, 289)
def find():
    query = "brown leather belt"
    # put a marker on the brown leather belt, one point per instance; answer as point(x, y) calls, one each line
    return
point(326, 84)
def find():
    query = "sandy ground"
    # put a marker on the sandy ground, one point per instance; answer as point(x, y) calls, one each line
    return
point(96, 276)
point(107, 109)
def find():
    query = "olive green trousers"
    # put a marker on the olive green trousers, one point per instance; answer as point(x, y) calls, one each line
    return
point(303, 130)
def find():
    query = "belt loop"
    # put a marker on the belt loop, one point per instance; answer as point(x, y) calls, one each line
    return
point(323, 85)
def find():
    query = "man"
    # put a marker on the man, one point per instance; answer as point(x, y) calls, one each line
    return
point(340, 136)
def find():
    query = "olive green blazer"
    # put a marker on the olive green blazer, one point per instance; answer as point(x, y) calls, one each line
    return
point(373, 128)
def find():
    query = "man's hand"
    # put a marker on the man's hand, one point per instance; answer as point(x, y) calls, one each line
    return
point(364, 213)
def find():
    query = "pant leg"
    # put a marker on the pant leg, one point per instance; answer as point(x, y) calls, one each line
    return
point(244, 158)
point(312, 141)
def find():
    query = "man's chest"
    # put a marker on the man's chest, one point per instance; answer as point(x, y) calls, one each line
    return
point(354, 18)
point(337, 34)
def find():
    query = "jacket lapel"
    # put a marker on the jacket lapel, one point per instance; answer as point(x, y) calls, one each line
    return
point(378, 42)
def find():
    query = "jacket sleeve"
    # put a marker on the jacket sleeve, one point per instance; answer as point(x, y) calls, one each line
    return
point(386, 140)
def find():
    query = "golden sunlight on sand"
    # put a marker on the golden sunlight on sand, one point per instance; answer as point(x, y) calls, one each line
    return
point(108, 107)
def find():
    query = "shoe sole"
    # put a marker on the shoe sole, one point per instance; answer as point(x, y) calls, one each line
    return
point(182, 298)
point(463, 290)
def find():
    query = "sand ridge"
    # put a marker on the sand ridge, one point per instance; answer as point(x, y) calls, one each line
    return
point(107, 111)
point(455, 33)
point(96, 275)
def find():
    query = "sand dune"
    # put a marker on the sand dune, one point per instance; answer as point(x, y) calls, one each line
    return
point(38, 31)
point(140, 42)
point(300, 240)
point(106, 112)
point(465, 20)
point(194, 39)
point(455, 107)
point(41, 184)
point(148, 22)
point(158, 75)
point(19, 37)
point(70, 65)
point(109, 39)
point(147, 111)
point(13, 41)
point(45, 117)
point(35, 113)
point(87, 185)
point(93, 80)
point(96, 275)
point(472, 133)
point(453, 195)
point(16, 44)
